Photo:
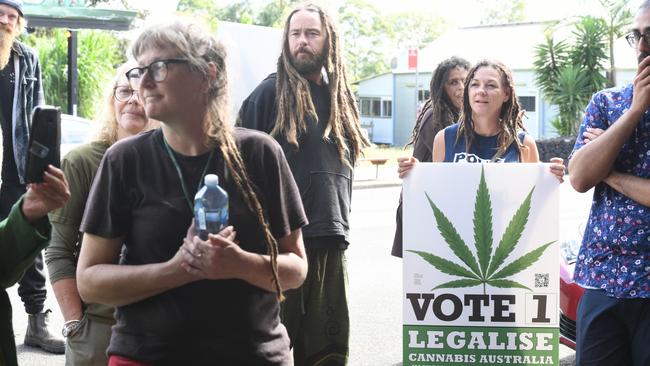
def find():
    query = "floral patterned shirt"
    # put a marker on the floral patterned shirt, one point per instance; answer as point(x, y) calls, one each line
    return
point(615, 251)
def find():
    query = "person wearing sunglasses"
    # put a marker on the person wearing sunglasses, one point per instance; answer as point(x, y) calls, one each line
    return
point(612, 156)
point(181, 300)
point(87, 327)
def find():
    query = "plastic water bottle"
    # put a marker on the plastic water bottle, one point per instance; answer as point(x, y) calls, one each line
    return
point(210, 207)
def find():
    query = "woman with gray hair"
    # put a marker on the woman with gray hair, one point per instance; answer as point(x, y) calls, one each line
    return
point(87, 326)
point(181, 300)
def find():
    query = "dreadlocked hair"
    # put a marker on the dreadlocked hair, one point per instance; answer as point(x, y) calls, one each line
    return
point(295, 106)
point(510, 117)
point(192, 42)
point(443, 111)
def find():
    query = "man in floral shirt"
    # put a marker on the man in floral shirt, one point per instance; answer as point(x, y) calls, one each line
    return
point(613, 325)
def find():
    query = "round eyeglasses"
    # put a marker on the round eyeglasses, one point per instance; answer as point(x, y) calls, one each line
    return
point(123, 93)
point(157, 71)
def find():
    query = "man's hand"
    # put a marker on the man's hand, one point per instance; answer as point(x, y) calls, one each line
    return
point(641, 96)
point(42, 198)
point(591, 134)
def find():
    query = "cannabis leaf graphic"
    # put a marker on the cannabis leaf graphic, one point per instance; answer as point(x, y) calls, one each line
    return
point(486, 268)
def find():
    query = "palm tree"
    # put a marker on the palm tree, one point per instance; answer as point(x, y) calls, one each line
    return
point(569, 73)
point(619, 16)
point(588, 51)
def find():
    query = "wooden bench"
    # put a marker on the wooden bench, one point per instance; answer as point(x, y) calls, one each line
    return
point(376, 162)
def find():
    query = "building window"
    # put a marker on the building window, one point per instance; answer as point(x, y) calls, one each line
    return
point(365, 107)
point(424, 95)
point(528, 103)
point(387, 108)
point(375, 107)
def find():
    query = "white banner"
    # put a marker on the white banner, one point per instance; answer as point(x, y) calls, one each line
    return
point(481, 265)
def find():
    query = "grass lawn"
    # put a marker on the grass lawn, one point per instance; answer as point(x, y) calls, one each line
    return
point(382, 152)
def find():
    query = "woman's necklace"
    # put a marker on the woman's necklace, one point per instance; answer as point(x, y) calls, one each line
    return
point(180, 173)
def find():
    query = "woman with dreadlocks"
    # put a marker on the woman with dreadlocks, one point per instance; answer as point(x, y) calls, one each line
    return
point(440, 110)
point(490, 128)
point(181, 300)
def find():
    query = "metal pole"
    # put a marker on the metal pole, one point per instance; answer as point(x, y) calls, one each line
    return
point(417, 86)
point(73, 78)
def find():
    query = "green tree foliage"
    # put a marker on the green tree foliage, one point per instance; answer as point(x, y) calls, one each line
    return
point(618, 18)
point(206, 10)
point(364, 34)
point(502, 11)
point(371, 38)
point(414, 29)
point(273, 13)
point(589, 50)
point(241, 12)
point(570, 71)
point(99, 53)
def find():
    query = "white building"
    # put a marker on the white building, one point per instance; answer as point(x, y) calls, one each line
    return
point(387, 101)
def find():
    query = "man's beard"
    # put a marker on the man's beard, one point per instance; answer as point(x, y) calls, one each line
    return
point(7, 38)
point(311, 64)
point(642, 56)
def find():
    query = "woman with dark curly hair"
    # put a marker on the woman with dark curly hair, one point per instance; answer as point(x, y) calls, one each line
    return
point(440, 110)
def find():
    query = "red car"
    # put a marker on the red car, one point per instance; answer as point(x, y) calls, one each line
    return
point(570, 292)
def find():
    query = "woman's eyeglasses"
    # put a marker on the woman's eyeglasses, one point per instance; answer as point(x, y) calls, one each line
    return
point(123, 93)
point(157, 71)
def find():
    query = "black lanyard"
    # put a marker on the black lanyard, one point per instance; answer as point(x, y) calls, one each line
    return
point(180, 174)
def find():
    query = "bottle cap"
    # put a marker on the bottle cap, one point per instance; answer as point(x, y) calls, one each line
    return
point(211, 180)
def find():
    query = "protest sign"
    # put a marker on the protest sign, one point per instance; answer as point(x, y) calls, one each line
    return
point(481, 270)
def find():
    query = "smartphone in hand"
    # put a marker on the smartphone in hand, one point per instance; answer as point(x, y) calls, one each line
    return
point(44, 142)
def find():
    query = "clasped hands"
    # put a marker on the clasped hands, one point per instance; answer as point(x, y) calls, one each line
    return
point(215, 258)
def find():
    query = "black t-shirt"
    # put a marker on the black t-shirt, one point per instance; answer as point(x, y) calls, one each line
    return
point(7, 87)
point(423, 145)
point(324, 180)
point(137, 195)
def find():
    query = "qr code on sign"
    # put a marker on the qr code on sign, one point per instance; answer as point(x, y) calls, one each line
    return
point(541, 279)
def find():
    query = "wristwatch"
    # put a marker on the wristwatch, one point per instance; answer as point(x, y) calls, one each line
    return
point(70, 327)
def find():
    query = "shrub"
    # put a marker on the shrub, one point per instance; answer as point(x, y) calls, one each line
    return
point(559, 147)
point(99, 52)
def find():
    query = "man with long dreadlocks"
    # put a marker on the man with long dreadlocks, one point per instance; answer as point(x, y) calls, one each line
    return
point(309, 108)
point(20, 91)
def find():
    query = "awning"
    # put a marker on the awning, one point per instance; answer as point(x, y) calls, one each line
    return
point(73, 15)
point(51, 16)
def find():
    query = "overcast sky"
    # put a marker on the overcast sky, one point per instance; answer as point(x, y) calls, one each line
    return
point(456, 12)
point(467, 12)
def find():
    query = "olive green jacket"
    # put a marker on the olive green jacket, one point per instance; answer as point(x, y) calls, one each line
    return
point(20, 242)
